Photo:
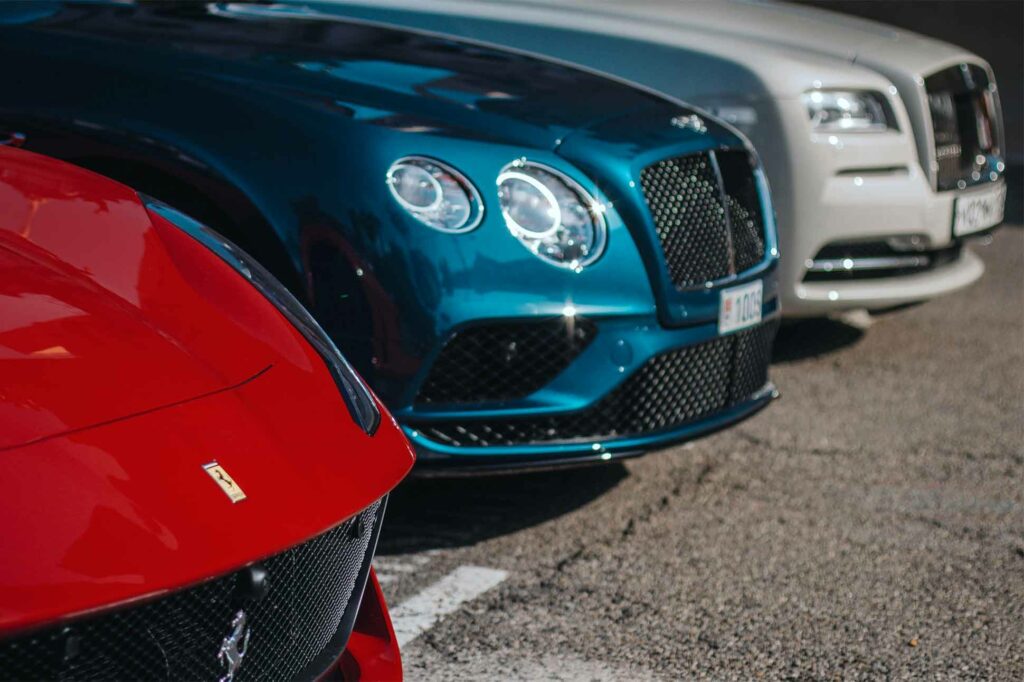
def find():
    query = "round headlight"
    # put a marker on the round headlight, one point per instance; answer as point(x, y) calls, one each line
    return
point(435, 194)
point(551, 215)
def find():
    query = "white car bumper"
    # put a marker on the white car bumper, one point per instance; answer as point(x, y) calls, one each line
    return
point(867, 190)
point(820, 298)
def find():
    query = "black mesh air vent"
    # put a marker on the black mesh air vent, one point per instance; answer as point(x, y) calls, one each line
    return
point(504, 361)
point(667, 392)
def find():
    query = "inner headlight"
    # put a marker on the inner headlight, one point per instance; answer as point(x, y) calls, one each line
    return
point(356, 394)
point(843, 111)
point(551, 214)
point(435, 194)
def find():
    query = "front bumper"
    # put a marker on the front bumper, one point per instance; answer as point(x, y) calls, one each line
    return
point(638, 386)
point(863, 208)
point(838, 189)
point(821, 298)
point(437, 464)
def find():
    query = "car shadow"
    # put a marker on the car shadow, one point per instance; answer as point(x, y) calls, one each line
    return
point(439, 513)
point(804, 339)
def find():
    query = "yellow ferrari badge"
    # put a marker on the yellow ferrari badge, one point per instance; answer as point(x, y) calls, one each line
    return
point(221, 477)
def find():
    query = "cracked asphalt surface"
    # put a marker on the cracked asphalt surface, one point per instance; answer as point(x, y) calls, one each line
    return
point(870, 523)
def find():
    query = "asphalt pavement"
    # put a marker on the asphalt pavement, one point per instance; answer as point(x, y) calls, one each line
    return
point(868, 524)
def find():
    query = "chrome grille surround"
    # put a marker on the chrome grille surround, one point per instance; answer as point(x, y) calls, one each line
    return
point(966, 126)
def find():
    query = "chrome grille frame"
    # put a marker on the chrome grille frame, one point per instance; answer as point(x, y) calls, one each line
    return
point(961, 107)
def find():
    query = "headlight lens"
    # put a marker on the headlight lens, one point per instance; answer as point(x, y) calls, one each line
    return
point(841, 111)
point(356, 394)
point(551, 214)
point(435, 194)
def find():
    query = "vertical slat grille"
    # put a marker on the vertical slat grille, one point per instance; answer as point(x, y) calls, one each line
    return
point(708, 220)
point(964, 121)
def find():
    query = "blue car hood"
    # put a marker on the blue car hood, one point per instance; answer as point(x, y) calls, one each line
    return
point(385, 75)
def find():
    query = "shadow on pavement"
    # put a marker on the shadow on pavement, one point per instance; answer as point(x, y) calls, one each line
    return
point(433, 513)
point(804, 339)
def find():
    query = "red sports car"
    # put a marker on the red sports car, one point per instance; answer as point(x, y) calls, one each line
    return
point(192, 478)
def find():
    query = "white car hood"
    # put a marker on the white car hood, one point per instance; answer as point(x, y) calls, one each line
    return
point(760, 67)
point(795, 27)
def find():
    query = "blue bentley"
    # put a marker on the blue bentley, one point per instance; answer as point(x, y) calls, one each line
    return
point(531, 264)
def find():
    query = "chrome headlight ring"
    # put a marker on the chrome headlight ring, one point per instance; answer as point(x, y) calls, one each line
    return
point(551, 214)
point(435, 194)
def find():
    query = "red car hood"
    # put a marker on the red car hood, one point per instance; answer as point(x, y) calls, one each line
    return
point(93, 321)
point(131, 356)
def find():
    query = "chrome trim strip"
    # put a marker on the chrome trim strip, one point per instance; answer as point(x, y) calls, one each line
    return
point(879, 263)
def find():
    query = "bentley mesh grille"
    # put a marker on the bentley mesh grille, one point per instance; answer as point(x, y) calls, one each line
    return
point(668, 391)
point(709, 222)
point(744, 206)
point(498, 362)
point(178, 637)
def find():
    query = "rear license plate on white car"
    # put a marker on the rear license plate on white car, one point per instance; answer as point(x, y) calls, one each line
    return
point(740, 307)
point(980, 211)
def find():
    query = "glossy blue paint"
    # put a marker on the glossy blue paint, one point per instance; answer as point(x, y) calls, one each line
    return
point(277, 127)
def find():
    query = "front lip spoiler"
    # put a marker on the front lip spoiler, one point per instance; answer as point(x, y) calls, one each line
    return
point(432, 465)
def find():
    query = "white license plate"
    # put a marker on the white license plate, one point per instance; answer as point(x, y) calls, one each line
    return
point(976, 212)
point(740, 307)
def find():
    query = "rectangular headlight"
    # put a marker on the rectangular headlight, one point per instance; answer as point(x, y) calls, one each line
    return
point(848, 111)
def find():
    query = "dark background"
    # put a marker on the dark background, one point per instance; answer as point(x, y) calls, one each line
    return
point(993, 29)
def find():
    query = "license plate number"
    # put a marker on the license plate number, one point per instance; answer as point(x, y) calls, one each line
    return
point(977, 212)
point(740, 307)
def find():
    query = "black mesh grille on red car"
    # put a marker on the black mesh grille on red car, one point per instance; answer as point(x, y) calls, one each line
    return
point(297, 628)
point(668, 391)
point(504, 361)
point(708, 221)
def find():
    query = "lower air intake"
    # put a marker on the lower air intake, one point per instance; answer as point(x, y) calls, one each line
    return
point(667, 392)
point(504, 361)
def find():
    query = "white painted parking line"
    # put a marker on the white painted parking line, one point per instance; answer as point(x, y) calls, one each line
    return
point(419, 613)
point(387, 567)
point(396, 566)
